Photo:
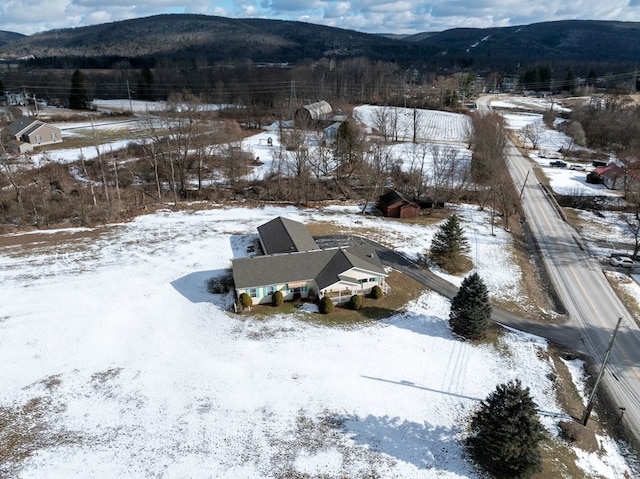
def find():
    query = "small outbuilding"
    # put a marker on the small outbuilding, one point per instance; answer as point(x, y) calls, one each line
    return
point(320, 110)
point(394, 204)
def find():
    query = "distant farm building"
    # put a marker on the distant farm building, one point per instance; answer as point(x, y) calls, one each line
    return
point(24, 134)
point(320, 110)
point(620, 174)
point(330, 133)
point(395, 205)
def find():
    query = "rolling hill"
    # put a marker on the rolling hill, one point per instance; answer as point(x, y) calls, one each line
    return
point(260, 40)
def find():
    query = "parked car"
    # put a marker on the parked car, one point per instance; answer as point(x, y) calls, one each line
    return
point(558, 164)
point(623, 261)
point(577, 167)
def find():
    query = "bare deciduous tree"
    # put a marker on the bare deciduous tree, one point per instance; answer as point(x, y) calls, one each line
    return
point(382, 122)
point(448, 172)
point(488, 166)
point(532, 133)
point(375, 172)
point(419, 122)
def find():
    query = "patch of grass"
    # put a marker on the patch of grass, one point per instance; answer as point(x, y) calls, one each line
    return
point(627, 299)
point(28, 428)
point(494, 334)
point(457, 265)
point(541, 177)
point(311, 435)
point(536, 300)
point(262, 311)
point(558, 460)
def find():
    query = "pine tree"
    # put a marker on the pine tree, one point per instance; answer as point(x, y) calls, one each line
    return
point(506, 433)
point(449, 247)
point(470, 309)
point(78, 98)
point(145, 85)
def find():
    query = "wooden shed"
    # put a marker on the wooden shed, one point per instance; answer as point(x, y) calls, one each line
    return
point(395, 205)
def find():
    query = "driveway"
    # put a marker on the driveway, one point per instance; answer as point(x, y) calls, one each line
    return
point(561, 334)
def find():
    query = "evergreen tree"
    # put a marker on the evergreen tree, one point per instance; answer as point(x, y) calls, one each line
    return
point(470, 309)
point(449, 247)
point(145, 85)
point(78, 98)
point(506, 433)
point(325, 306)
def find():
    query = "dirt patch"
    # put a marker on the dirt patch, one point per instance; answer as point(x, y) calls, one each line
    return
point(31, 426)
point(536, 303)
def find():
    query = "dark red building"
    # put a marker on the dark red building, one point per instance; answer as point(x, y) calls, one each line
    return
point(395, 205)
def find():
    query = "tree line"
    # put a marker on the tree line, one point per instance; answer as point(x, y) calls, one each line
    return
point(188, 152)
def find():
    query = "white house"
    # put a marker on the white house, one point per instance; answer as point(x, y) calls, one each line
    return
point(335, 272)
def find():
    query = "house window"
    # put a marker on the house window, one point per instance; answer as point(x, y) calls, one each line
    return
point(270, 290)
point(373, 280)
point(54, 136)
point(38, 137)
point(253, 292)
point(300, 289)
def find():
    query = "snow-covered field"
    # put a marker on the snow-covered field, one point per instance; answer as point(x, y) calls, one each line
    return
point(564, 181)
point(433, 125)
point(117, 362)
point(130, 368)
point(445, 129)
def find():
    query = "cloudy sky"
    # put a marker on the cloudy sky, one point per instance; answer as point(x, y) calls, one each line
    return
point(371, 16)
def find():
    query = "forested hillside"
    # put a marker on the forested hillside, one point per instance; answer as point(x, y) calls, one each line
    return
point(208, 39)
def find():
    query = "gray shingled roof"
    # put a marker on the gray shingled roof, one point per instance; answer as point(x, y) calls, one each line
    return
point(391, 197)
point(20, 124)
point(25, 126)
point(324, 266)
point(282, 235)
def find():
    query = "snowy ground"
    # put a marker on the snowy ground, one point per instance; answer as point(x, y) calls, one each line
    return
point(135, 370)
point(140, 372)
point(447, 130)
point(564, 181)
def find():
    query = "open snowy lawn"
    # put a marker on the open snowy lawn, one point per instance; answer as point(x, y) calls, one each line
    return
point(441, 126)
point(119, 363)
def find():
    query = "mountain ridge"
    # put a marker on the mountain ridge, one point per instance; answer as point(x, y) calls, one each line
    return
point(214, 39)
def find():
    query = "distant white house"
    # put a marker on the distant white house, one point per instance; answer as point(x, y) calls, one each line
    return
point(295, 265)
point(24, 134)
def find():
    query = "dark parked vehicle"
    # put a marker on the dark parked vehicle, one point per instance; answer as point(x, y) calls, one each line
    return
point(558, 164)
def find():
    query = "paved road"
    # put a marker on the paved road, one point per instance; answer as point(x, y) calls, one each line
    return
point(590, 301)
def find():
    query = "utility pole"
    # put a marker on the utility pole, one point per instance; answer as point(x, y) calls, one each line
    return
point(129, 94)
point(524, 184)
point(587, 411)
